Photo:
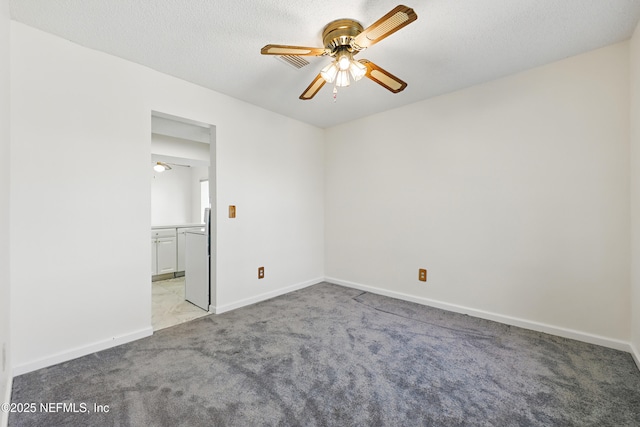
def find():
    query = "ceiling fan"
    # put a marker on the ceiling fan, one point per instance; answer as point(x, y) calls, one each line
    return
point(342, 40)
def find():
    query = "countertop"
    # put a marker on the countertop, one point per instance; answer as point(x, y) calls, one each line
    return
point(156, 227)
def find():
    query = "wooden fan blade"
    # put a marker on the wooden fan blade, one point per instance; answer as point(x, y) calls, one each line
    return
point(313, 88)
point(399, 17)
point(280, 49)
point(383, 77)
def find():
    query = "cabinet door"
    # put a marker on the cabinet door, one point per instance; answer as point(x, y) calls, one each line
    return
point(166, 255)
point(154, 257)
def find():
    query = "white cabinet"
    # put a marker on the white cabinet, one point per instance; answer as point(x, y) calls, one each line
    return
point(166, 255)
point(163, 251)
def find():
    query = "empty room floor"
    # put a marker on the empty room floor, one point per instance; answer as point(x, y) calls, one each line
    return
point(169, 307)
point(333, 356)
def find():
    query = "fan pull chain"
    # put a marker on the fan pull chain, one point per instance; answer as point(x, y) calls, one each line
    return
point(335, 93)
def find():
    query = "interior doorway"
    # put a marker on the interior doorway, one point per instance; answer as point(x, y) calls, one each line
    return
point(182, 168)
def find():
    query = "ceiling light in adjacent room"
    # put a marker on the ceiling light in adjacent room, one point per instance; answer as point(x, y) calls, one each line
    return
point(161, 167)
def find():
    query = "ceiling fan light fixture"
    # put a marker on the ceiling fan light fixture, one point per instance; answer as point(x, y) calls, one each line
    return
point(342, 39)
point(161, 167)
point(329, 72)
point(342, 79)
point(343, 69)
point(344, 59)
point(357, 70)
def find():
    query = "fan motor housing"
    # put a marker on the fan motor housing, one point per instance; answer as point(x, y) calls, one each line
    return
point(340, 33)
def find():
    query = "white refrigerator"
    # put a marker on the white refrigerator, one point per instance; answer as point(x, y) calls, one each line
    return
point(197, 261)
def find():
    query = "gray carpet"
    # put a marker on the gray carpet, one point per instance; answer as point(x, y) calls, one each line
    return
point(333, 356)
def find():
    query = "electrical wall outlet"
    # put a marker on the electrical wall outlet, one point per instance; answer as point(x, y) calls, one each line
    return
point(422, 274)
point(260, 272)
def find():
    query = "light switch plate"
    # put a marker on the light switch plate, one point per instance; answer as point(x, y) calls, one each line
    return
point(232, 211)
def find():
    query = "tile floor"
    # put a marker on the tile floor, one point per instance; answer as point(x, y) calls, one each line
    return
point(168, 305)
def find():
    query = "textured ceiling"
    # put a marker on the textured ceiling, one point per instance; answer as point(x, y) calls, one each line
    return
point(216, 44)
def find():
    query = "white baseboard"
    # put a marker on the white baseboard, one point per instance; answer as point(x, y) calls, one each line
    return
point(4, 415)
point(265, 296)
point(65, 356)
point(508, 320)
point(635, 354)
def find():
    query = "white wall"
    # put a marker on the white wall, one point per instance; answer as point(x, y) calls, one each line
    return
point(272, 171)
point(513, 194)
point(81, 282)
point(5, 164)
point(635, 193)
point(171, 196)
